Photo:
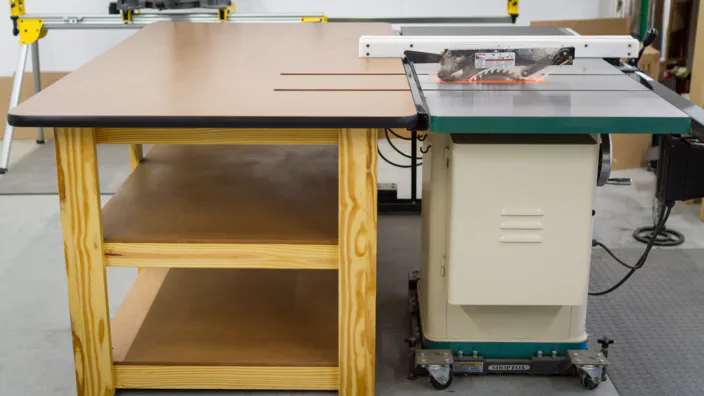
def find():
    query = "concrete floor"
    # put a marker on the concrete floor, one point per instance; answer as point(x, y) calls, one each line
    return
point(35, 338)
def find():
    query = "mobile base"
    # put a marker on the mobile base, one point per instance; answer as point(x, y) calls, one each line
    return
point(441, 365)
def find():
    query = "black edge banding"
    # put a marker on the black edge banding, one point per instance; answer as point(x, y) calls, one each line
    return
point(213, 122)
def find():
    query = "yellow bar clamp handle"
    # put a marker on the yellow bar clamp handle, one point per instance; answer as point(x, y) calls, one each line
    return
point(225, 12)
point(316, 19)
point(16, 11)
point(513, 10)
point(127, 15)
point(16, 8)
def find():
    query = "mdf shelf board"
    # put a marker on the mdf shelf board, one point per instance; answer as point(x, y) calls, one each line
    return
point(225, 317)
point(237, 194)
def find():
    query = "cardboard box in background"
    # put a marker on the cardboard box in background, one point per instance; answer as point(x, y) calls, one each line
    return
point(48, 78)
point(629, 151)
point(650, 63)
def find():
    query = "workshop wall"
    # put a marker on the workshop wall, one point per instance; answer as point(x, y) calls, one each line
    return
point(68, 50)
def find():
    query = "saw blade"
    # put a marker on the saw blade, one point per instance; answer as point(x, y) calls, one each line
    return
point(496, 75)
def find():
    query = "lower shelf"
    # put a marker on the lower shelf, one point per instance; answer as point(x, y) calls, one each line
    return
point(228, 329)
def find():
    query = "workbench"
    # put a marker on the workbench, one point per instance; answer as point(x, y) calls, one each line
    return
point(252, 220)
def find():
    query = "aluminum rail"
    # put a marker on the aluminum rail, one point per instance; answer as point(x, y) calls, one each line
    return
point(55, 22)
point(68, 21)
point(423, 20)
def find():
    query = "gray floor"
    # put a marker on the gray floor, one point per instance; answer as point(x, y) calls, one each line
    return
point(35, 339)
point(657, 320)
point(35, 173)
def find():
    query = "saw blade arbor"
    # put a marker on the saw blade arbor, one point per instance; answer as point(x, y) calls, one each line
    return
point(501, 65)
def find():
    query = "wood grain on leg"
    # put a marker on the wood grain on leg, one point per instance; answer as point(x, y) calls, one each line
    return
point(136, 155)
point(83, 244)
point(357, 273)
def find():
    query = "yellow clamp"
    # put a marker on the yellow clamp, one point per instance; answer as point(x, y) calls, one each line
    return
point(30, 30)
point(16, 8)
point(224, 13)
point(127, 16)
point(513, 9)
point(315, 19)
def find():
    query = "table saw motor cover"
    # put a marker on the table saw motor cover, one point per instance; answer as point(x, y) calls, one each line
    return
point(507, 230)
point(520, 224)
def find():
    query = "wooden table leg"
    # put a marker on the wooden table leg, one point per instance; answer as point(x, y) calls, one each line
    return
point(83, 243)
point(357, 273)
point(136, 155)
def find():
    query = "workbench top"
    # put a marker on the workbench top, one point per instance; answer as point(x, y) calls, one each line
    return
point(231, 75)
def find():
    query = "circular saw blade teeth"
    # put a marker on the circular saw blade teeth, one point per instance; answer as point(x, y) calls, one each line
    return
point(496, 75)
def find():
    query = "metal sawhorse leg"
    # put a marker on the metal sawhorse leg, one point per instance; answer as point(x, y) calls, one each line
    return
point(37, 78)
point(15, 99)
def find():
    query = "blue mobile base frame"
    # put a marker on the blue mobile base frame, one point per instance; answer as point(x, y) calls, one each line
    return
point(441, 361)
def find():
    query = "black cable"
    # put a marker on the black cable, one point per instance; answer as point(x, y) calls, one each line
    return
point(388, 139)
point(601, 245)
point(397, 135)
point(397, 150)
point(666, 236)
point(664, 215)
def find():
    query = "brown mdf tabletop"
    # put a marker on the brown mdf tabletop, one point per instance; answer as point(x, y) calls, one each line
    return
point(189, 75)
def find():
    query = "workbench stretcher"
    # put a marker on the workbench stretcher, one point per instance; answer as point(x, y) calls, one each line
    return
point(253, 220)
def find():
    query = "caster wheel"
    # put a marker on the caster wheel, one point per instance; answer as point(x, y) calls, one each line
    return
point(442, 385)
point(587, 381)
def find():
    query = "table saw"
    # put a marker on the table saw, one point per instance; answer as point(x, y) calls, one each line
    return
point(510, 172)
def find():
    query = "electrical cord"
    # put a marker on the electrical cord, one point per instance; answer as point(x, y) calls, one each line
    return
point(397, 150)
point(666, 236)
point(618, 260)
point(664, 215)
point(396, 134)
point(388, 139)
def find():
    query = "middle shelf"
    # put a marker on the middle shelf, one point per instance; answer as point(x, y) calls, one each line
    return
point(227, 206)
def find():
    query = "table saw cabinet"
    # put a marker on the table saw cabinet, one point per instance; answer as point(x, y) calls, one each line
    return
point(506, 242)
